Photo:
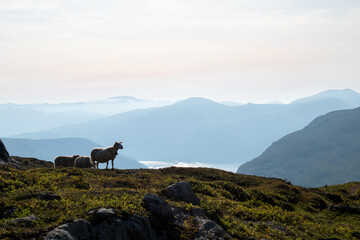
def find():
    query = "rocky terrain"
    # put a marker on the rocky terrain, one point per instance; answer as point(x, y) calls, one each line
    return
point(41, 202)
point(163, 222)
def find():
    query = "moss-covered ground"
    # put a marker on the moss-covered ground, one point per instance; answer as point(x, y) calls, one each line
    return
point(245, 206)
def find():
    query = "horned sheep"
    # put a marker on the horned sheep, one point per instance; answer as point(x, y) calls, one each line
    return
point(83, 162)
point(65, 161)
point(102, 155)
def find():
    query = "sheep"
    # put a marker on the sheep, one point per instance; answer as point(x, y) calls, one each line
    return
point(65, 161)
point(102, 155)
point(83, 162)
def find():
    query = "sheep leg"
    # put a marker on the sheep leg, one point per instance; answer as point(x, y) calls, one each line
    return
point(107, 165)
point(112, 164)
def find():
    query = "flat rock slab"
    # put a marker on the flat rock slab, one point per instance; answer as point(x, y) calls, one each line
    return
point(25, 221)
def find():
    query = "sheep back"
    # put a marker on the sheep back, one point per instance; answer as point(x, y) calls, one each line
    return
point(83, 162)
point(65, 161)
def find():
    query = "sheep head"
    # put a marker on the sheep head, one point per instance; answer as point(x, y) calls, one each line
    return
point(118, 145)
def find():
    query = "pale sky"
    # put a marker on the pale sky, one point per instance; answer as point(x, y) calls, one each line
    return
point(229, 50)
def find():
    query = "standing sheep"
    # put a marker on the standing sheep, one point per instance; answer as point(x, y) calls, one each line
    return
point(83, 162)
point(102, 155)
point(65, 161)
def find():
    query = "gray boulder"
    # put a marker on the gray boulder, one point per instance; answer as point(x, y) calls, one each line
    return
point(101, 214)
point(105, 225)
point(78, 230)
point(160, 211)
point(25, 221)
point(169, 221)
point(182, 191)
point(208, 230)
point(134, 228)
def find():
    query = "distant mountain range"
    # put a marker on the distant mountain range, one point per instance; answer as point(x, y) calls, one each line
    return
point(347, 95)
point(200, 130)
point(327, 151)
point(44, 116)
point(108, 106)
point(16, 120)
point(48, 149)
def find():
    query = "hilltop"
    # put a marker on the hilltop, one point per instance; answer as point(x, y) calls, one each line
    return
point(244, 206)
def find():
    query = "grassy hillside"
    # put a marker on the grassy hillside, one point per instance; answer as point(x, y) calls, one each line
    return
point(245, 206)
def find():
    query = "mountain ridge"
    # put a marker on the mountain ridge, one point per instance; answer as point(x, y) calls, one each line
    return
point(324, 152)
point(198, 130)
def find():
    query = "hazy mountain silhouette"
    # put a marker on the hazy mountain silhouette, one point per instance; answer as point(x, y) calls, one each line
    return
point(16, 120)
point(108, 106)
point(199, 130)
point(48, 149)
point(327, 151)
point(346, 95)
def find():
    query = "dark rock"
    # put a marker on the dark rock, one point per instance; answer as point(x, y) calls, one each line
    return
point(102, 214)
point(48, 196)
point(25, 221)
point(345, 209)
point(356, 235)
point(134, 228)
point(208, 230)
point(182, 191)
point(4, 155)
point(5, 158)
point(160, 211)
point(198, 212)
point(77, 230)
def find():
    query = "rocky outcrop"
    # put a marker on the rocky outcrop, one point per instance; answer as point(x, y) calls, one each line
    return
point(105, 226)
point(182, 191)
point(164, 222)
point(5, 158)
point(4, 155)
point(161, 213)
point(169, 221)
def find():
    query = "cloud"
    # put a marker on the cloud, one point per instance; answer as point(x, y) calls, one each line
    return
point(203, 46)
point(11, 5)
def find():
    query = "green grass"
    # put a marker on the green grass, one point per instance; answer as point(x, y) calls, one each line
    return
point(245, 206)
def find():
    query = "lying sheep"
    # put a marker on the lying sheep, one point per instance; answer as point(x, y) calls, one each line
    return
point(83, 162)
point(102, 155)
point(65, 161)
